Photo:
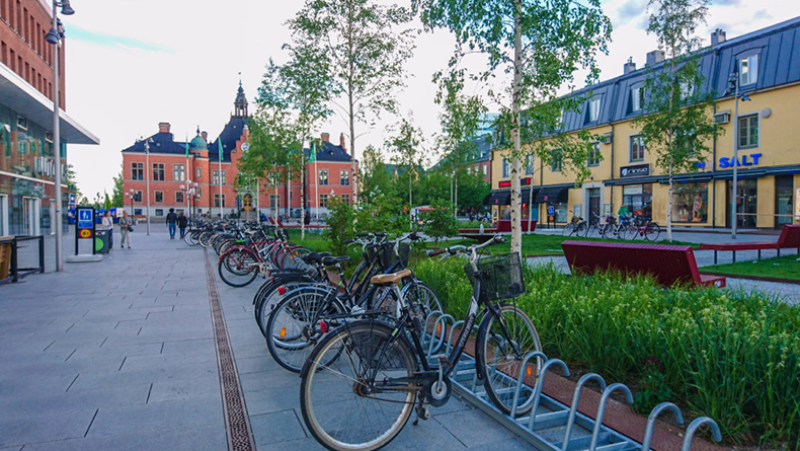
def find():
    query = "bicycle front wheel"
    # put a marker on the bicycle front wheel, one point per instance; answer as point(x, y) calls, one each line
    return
point(652, 232)
point(237, 267)
point(568, 229)
point(357, 401)
point(504, 341)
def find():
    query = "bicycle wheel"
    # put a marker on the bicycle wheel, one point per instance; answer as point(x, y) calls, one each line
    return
point(652, 231)
point(236, 267)
point(205, 237)
point(293, 327)
point(269, 300)
point(421, 298)
point(190, 238)
point(568, 229)
point(355, 402)
point(503, 342)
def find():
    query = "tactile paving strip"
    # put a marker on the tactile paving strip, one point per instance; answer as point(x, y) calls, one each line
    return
point(237, 423)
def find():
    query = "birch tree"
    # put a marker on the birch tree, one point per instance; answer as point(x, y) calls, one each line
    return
point(534, 47)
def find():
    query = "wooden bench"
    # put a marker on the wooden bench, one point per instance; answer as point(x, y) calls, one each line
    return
point(503, 226)
point(789, 239)
point(666, 263)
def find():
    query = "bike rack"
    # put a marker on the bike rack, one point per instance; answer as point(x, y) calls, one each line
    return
point(551, 425)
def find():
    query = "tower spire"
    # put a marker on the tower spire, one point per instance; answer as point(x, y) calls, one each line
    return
point(240, 104)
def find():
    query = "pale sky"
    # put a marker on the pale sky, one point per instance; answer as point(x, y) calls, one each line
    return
point(134, 63)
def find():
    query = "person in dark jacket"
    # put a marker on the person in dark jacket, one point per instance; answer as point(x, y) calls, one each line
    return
point(171, 219)
point(182, 222)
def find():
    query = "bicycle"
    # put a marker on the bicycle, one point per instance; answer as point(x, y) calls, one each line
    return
point(644, 227)
point(373, 371)
point(577, 226)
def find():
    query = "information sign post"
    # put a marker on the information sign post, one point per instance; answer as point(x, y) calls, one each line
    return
point(84, 226)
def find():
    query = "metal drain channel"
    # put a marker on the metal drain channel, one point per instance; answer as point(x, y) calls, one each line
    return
point(237, 423)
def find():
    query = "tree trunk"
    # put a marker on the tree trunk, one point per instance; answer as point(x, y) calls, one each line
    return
point(277, 203)
point(350, 102)
point(669, 203)
point(302, 196)
point(516, 196)
point(530, 200)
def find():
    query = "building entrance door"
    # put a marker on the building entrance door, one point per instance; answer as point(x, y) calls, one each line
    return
point(4, 216)
point(784, 190)
point(30, 216)
point(594, 205)
point(746, 204)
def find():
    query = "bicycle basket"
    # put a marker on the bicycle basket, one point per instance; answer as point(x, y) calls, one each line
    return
point(385, 256)
point(501, 276)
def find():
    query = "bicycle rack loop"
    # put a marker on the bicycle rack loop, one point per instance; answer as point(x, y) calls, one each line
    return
point(576, 396)
point(543, 429)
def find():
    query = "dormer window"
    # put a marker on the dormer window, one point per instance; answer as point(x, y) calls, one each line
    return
point(748, 70)
point(594, 110)
point(637, 99)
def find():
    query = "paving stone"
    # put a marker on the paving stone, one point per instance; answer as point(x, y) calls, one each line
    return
point(67, 422)
point(156, 417)
point(472, 427)
point(186, 439)
point(276, 427)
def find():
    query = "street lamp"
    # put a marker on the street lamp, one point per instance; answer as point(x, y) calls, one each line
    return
point(147, 178)
point(733, 88)
point(54, 37)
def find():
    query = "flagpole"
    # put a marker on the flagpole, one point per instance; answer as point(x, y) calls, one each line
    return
point(316, 184)
point(221, 213)
point(187, 177)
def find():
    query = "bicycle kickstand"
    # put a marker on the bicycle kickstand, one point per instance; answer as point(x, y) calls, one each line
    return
point(423, 410)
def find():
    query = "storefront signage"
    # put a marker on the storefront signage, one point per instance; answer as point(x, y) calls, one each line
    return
point(507, 183)
point(639, 170)
point(744, 160)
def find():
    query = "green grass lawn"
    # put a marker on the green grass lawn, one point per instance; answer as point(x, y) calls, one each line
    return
point(786, 267)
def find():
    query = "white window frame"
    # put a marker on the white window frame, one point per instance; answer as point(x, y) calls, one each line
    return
point(327, 177)
point(594, 109)
point(506, 168)
point(556, 164)
point(179, 172)
point(198, 173)
point(636, 98)
point(751, 76)
point(345, 198)
point(183, 197)
point(758, 130)
point(138, 195)
point(630, 148)
point(341, 172)
point(4, 223)
point(589, 163)
point(327, 199)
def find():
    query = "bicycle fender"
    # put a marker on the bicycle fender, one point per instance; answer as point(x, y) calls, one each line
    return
point(479, 349)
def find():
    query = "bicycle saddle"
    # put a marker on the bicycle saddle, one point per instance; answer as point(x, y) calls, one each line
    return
point(328, 261)
point(390, 278)
point(315, 257)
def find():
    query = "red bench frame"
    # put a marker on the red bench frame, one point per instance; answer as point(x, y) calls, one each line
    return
point(668, 264)
point(789, 238)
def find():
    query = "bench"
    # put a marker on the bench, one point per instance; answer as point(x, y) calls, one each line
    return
point(502, 226)
point(789, 239)
point(668, 264)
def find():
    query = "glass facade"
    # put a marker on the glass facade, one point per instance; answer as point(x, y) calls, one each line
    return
point(27, 170)
point(638, 199)
point(784, 191)
point(690, 202)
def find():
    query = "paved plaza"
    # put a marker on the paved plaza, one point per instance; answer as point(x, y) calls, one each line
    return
point(122, 355)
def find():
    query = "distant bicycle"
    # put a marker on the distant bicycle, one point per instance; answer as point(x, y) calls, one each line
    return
point(577, 227)
point(643, 226)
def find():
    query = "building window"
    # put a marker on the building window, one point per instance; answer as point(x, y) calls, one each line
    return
point(485, 171)
point(346, 199)
point(158, 172)
point(323, 176)
point(687, 90)
point(593, 112)
point(690, 202)
point(159, 212)
point(22, 123)
point(159, 196)
point(506, 168)
point(344, 177)
point(594, 155)
point(137, 171)
point(216, 200)
point(748, 132)
point(556, 160)
point(637, 97)
point(528, 165)
point(638, 199)
point(274, 201)
point(179, 197)
point(323, 200)
point(137, 196)
point(748, 70)
point(137, 211)
point(636, 148)
point(197, 174)
point(179, 172)
point(215, 178)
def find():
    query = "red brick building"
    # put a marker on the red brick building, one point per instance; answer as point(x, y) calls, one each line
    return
point(189, 180)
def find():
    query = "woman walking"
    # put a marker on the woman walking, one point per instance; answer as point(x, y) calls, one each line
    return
point(124, 230)
point(108, 225)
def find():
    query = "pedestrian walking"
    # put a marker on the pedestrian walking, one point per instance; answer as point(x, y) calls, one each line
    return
point(171, 219)
point(108, 226)
point(125, 229)
point(182, 222)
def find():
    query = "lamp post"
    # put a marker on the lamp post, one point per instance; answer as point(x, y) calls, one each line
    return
point(147, 179)
point(132, 194)
point(54, 37)
point(733, 88)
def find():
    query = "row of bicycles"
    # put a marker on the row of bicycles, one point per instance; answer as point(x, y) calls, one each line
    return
point(366, 356)
point(627, 228)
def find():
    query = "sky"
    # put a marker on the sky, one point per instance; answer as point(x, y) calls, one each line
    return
point(134, 63)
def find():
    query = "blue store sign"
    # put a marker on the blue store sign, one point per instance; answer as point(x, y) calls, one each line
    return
point(744, 160)
point(85, 218)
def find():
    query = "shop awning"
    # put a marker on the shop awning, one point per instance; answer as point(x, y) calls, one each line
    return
point(487, 198)
point(526, 193)
point(550, 195)
point(632, 181)
point(687, 178)
point(783, 170)
point(501, 197)
point(728, 175)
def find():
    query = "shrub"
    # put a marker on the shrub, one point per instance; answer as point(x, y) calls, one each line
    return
point(341, 221)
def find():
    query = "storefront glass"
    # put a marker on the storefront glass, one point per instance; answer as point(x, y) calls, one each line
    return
point(638, 199)
point(746, 204)
point(690, 202)
point(784, 188)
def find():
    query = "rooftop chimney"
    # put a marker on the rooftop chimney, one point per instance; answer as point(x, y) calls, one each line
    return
point(629, 67)
point(163, 127)
point(717, 37)
point(341, 142)
point(326, 137)
point(205, 136)
point(655, 57)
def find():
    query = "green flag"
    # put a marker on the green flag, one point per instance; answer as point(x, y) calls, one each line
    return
point(220, 149)
point(313, 155)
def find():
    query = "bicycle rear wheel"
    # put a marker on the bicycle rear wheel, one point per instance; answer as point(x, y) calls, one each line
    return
point(568, 229)
point(504, 341)
point(355, 402)
point(652, 232)
point(237, 267)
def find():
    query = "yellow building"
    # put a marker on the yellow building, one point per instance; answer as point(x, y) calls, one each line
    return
point(768, 65)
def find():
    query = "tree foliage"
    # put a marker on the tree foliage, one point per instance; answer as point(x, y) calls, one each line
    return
point(117, 194)
point(676, 120)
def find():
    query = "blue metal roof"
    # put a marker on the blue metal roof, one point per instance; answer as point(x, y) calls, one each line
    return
point(330, 152)
point(160, 143)
point(777, 47)
point(230, 135)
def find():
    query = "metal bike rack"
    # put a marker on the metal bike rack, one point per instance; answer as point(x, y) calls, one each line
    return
point(550, 425)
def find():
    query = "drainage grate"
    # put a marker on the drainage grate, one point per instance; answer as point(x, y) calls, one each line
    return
point(237, 424)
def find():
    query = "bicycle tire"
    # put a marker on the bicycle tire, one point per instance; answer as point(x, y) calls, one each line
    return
point(270, 299)
point(367, 416)
point(503, 372)
point(190, 238)
point(205, 237)
point(287, 343)
point(652, 231)
point(235, 267)
point(568, 229)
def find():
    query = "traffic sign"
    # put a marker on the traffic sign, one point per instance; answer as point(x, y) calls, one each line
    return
point(86, 233)
point(85, 220)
